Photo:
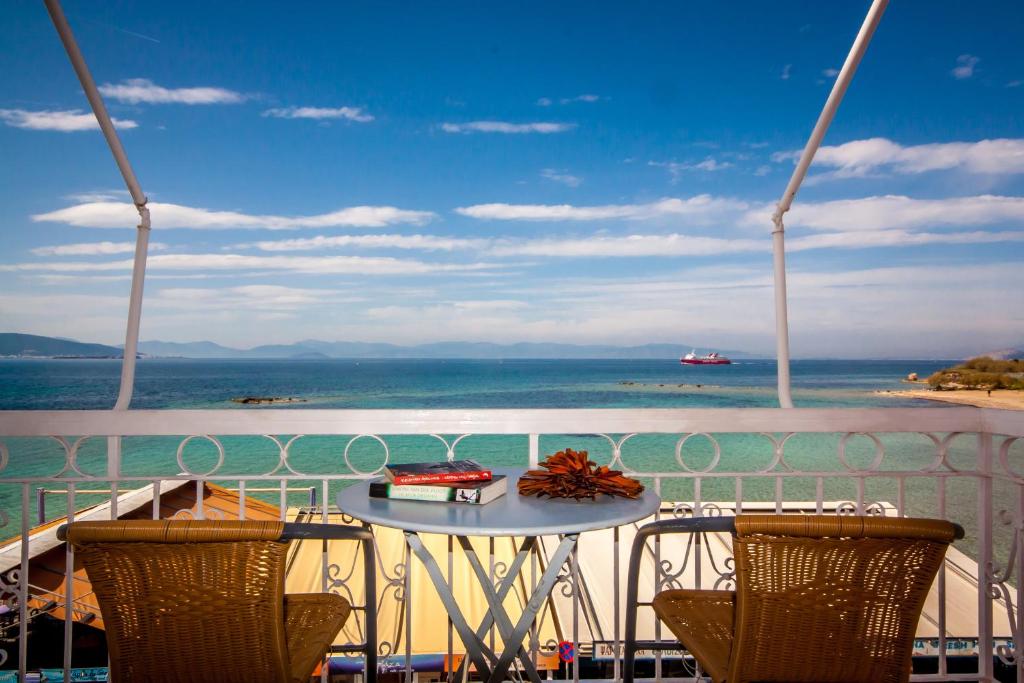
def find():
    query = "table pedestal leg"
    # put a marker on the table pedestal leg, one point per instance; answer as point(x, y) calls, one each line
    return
point(474, 646)
point(512, 636)
point(533, 607)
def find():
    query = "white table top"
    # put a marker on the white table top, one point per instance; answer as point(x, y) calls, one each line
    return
point(509, 515)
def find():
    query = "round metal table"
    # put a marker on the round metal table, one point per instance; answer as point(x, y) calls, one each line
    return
point(510, 515)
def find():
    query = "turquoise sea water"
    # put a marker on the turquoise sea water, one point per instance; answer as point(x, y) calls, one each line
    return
point(211, 384)
point(92, 384)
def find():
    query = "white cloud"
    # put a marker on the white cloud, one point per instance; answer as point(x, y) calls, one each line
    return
point(143, 90)
point(786, 72)
point(860, 158)
point(120, 215)
point(94, 249)
point(253, 297)
point(65, 121)
point(506, 127)
point(319, 113)
point(830, 73)
point(676, 168)
point(897, 238)
point(544, 102)
point(676, 244)
point(965, 65)
point(1015, 84)
point(321, 265)
point(630, 246)
point(561, 176)
point(580, 98)
point(763, 170)
point(895, 212)
point(423, 242)
point(698, 206)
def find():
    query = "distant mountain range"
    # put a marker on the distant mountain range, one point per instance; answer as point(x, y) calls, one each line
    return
point(312, 348)
point(35, 346)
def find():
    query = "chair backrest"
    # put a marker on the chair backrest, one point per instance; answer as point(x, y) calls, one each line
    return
point(188, 600)
point(831, 599)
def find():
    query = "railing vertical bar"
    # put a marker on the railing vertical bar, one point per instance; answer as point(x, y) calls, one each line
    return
point(860, 495)
point(575, 613)
point(698, 511)
point(325, 574)
point(408, 613)
point(23, 585)
point(778, 495)
point(943, 664)
point(241, 498)
point(616, 614)
point(534, 633)
point(1016, 613)
point(69, 587)
point(985, 664)
point(490, 577)
point(200, 503)
point(901, 496)
point(113, 499)
point(819, 495)
point(156, 499)
point(739, 496)
point(534, 450)
point(283, 500)
point(657, 583)
point(450, 664)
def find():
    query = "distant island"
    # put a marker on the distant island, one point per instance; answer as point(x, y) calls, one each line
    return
point(13, 345)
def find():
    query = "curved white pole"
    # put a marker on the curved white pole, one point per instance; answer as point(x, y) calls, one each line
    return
point(860, 46)
point(131, 341)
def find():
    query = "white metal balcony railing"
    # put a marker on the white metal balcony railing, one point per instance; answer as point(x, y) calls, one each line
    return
point(955, 463)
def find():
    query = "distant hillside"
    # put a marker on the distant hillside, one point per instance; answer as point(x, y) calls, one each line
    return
point(34, 346)
point(312, 348)
point(1005, 354)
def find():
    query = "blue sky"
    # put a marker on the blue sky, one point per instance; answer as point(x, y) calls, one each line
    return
point(585, 172)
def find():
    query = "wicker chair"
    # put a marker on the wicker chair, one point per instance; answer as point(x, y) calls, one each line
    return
point(204, 600)
point(818, 598)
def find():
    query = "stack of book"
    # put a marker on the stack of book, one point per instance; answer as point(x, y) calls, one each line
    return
point(456, 481)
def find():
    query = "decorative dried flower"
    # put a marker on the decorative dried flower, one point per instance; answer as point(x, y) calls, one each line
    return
point(571, 474)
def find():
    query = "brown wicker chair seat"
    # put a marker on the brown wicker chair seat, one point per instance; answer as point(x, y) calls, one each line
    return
point(822, 599)
point(203, 601)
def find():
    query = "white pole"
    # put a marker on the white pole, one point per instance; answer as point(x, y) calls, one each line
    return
point(860, 46)
point(131, 340)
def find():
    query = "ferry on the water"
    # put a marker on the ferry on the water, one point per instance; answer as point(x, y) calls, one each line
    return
point(710, 359)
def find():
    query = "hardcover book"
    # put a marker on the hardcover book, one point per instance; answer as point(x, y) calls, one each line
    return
point(436, 472)
point(469, 493)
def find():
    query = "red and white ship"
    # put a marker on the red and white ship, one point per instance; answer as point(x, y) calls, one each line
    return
point(710, 359)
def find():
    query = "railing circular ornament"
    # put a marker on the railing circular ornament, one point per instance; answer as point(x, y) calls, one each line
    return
point(714, 461)
point(1004, 459)
point(879, 451)
point(617, 451)
point(5, 456)
point(778, 452)
point(71, 456)
point(283, 454)
point(356, 470)
point(181, 454)
point(449, 447)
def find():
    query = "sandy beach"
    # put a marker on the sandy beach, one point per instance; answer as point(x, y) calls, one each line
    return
point(1000, 398)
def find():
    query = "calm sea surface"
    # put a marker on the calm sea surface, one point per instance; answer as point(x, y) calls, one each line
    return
point(85, 384)
point(92, 384)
